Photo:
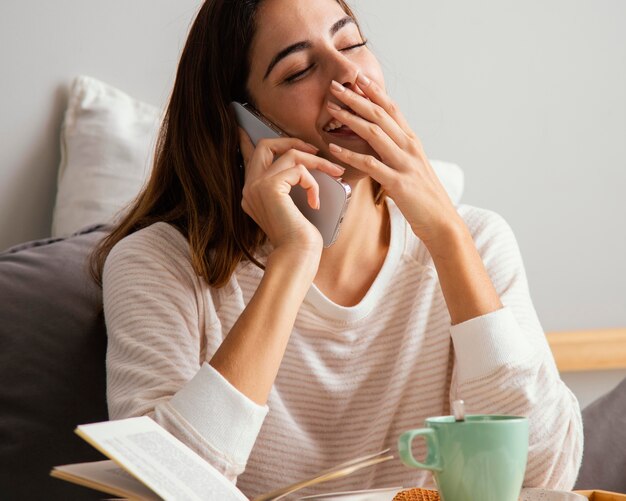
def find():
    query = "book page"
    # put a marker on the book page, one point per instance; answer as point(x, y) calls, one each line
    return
point(106, 476)
point(159, 460)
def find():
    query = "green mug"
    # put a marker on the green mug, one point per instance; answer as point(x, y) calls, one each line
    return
point(482, 458)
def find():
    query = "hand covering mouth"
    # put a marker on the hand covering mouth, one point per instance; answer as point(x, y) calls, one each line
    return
point(335, 125)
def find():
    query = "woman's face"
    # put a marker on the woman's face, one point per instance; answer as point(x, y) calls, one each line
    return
point(301, 46)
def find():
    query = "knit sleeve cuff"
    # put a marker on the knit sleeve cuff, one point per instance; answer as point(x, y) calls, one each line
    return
point(223, 415)
point(486, 343)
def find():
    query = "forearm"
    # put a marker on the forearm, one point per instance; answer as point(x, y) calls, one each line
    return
point(503, 364)
point(465, 283)
point(530, 388)
point(251, 353)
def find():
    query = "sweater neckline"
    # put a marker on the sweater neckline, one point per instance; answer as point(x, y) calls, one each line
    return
point(316, 298)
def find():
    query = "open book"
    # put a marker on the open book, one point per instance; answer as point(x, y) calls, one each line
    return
point(147, 463)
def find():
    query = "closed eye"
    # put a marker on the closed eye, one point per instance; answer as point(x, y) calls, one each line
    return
point(356, 46)
point(296, 76)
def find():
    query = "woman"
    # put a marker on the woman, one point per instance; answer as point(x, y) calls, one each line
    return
point(327, 353)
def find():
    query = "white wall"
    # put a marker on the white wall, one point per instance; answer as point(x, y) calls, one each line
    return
point(529, 98)
point(133, 45)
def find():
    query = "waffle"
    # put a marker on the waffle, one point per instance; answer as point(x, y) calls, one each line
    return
point(417, 495)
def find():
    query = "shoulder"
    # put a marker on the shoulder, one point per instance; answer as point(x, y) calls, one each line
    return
point(484, 224)
point(159, 256)
point(159, 249)
point(159, 237)
point(492, 234)
point(490, 231)
point(496, 244)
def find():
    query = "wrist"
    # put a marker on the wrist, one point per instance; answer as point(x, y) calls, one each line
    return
point(466, 285)
point(300, 259)
point(444, 241)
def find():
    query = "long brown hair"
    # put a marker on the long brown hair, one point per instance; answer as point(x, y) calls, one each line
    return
point(196, 182)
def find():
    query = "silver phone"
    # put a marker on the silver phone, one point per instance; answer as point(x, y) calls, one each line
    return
point(334, 193)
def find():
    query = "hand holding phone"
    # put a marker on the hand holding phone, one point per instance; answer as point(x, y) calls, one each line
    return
point(334, 195)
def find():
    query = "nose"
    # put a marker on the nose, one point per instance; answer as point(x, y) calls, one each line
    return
point(345, 72)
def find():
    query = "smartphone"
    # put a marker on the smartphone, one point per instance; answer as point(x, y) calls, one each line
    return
point(334, 193)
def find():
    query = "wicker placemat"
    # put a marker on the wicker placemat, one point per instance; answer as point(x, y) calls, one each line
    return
point(417, 495)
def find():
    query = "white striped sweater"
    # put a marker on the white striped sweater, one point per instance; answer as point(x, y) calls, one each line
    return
point(352, 378)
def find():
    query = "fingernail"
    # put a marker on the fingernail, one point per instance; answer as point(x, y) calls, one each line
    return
point(334, 148)
point(363, 80)
point(333, 106)
point(318, 203)
point(315, 148)
point(337, 86)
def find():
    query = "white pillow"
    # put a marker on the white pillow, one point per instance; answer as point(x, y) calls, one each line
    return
point(107, 143)
point(107, 147)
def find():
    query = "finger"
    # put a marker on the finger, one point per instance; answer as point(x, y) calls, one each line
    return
point(373, 133)
point(378, 95)
point(300, 175)
point(266, 151)
point(270, 148)
point(295, 157)
point(372, 112)
point(371, 166)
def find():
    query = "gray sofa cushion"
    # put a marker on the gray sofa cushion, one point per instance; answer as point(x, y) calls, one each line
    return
point(52, 364)
point(604, 456)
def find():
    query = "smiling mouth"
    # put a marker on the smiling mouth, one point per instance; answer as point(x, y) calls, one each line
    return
point(335, 126)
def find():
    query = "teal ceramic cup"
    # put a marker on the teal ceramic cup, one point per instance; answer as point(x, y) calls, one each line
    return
point(482, 458)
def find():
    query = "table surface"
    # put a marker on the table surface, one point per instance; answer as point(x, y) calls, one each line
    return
point(429, 495)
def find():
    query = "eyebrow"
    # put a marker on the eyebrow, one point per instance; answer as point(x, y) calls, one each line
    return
point(300, 46)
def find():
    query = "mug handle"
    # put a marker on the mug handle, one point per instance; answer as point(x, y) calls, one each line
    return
point(433, 460)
